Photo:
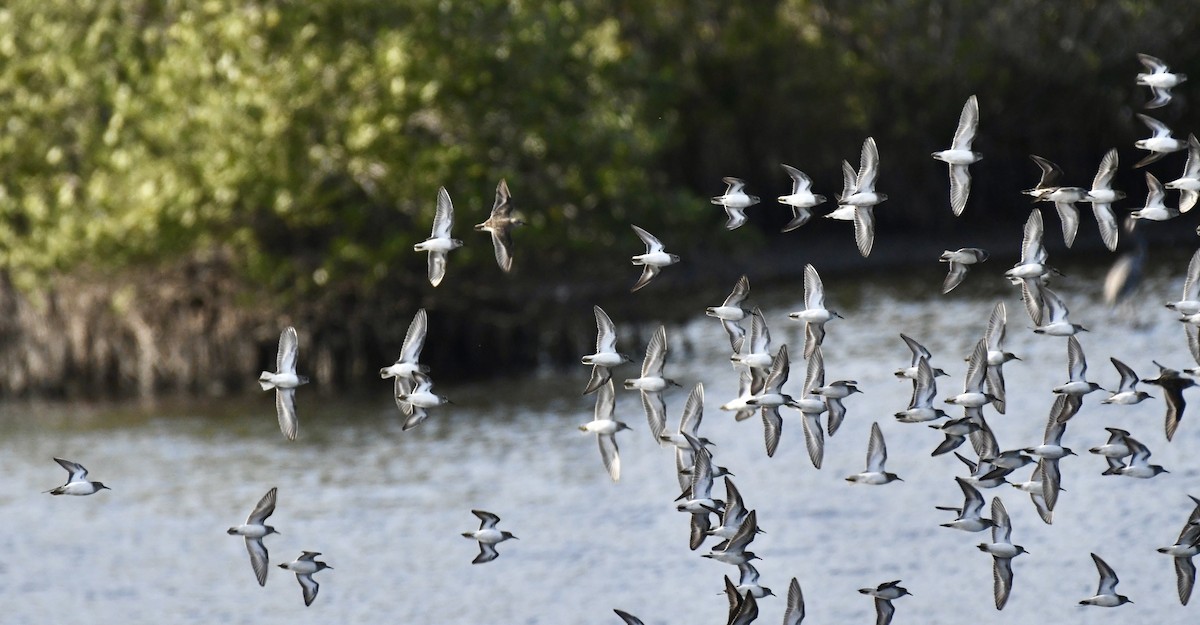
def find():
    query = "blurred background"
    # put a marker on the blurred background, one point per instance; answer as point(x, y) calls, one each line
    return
point(180, 180)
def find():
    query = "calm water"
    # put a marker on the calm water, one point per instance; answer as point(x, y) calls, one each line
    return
point(386, 507)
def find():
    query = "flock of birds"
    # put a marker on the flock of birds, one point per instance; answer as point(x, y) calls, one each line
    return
point(764, 371)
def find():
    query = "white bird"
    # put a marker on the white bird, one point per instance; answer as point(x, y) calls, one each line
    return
point(1155, 208)
point(254, 529)
point(1054, 314)
point(1051, 451)
point(689, 422)
point(499, 224)
point(653, 260)
point(304, 567)
point(920, 407)
point(771, 397)
point(1183, 550)
point(1063, 197)
point(748, 577)
point(747, 390)
point(605, 427)
point(440, 242)
point(973, 395)
point(730, 312)
point(918, 353)
point(959, 261)
point(1032, 265)
point(996, 355)
point(1139, 462)
point(419, 400)
point(77, 482)
point(876, 457)
point(1114, 448)
point(959, 156)
point(735, 200)
point(811, 406)
point(754, 352)
point(814, 315)
point(1160, 80)
point(970, 515)
point(732, 516)
point(1127, 393)
point(1077, 385)
point(1106, 593)
point(1188, 184)
point(1034, 487)
point(652, 383)
point(606, 355)
point(1003, 551)
point(863, 197)
point(1189, 302)
point(285, 381)
point(1102, 195)
point(1160, 142)
point(884, 594)
point(407, 364)
point(834, 393)
point(733, 550)
point(801, 198)
point(699, 501)
point(488, 536)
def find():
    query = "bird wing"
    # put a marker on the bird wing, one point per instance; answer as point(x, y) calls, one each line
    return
point(289, 347)
point(968, 121)
point(258, 558)
point(309, 586)
point(443, 219)
point(414, 339)
point(876, 450)
point(263, 509)
point(285, 409)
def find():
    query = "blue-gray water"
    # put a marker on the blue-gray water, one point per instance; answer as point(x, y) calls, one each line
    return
point(386, 508)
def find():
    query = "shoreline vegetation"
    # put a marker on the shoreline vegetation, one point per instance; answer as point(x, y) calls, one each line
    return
point(178, 181)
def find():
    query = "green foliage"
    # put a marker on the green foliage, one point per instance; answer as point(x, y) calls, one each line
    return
point(311, 137)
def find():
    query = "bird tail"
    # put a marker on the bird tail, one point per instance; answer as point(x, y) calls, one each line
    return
point(264, 380)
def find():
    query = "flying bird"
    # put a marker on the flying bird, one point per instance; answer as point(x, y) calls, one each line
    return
point(884, 595)
point(1160, 142)
point(605, 427)
point(801, 199)
point(285, 381)
point(1106, 593)
point(440, 242)
point(304, 567)
point(1173, 384)
point(1160, 80)
point(1003, 551)
point(651, 384)
point(959, 156)
point(77, 482)
point(500, 224)
point(735, 201)
point(1188, 184)
point(488, 536)
point(606, 355)
point(253, 530)
point(407, 364)
point(959, 261)
point(876, 457)
point(653, 260)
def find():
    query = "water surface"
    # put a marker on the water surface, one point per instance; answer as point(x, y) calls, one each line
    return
point(386, 508)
